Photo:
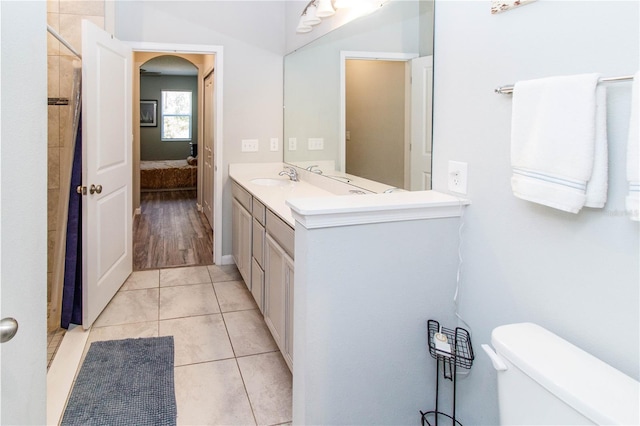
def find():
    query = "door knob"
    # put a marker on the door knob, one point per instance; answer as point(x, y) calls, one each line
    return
point(95, 189)
point(8, 329)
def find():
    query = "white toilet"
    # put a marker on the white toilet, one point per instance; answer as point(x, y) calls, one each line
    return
point(543, 379)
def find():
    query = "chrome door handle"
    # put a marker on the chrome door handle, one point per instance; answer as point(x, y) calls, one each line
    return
point(8, 329)
point(95, 189)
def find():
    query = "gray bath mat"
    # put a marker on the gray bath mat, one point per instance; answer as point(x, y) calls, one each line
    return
point(125, 382)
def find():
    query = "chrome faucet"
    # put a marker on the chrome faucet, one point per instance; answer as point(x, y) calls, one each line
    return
point(310, 168)
point(291, 172)
point(390, 190)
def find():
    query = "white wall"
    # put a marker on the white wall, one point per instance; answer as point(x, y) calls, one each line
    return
point(252, 34)
point(577, 275)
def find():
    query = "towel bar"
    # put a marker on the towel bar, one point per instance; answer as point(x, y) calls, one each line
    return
point(508, 90)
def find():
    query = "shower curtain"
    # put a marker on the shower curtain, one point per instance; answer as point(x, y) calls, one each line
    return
point(72, 288)
point(66, 289)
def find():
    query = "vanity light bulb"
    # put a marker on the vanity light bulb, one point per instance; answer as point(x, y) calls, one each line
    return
point(363, 7)
point(342, 4)
point(302, 27)
point(324, 9)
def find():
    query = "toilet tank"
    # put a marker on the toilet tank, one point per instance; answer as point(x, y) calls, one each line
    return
point(550, 381)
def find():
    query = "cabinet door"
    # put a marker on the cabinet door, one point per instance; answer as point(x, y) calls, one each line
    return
point(275, 292)
point(257, 284)
point(241, 240)
point(235, 231)
point(289, 272)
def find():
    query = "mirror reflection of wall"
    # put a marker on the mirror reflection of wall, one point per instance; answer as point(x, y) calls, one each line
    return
point(314, 125)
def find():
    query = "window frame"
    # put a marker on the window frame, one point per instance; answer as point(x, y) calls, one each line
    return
point(163, 115)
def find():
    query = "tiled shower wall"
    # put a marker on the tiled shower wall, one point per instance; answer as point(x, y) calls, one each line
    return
point(65, 17)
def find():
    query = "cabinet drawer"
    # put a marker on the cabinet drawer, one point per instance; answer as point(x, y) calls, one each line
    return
point(241, 195)
point(258, 242)
point(281, 232)
point(257, 284)
point(259, 211)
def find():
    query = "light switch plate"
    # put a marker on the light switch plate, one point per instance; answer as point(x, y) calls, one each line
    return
point(316, 144)
point(293, 144)
point(458, 177)
point(273, 144)
point(249, 145)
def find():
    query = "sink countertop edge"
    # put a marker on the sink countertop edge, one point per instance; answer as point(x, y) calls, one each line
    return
point(375, 208)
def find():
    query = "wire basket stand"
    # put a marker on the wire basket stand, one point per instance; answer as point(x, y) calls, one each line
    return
point(460, 355)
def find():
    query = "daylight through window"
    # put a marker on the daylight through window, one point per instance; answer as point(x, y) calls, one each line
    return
point(176, 115)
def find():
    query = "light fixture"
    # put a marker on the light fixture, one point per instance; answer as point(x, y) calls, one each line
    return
point(324, 9)
point(302, 27)
point(309, 17)
point(317, 9)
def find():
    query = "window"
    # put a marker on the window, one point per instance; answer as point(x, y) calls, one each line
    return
point(176, 116)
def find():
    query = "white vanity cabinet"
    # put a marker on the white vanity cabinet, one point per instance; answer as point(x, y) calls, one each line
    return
point(263, 247)
point(279, 284)
point(242, 231)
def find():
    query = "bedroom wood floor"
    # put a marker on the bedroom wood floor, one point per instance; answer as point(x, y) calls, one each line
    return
point(171, 232)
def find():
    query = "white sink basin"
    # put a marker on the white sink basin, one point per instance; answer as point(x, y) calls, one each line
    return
point(270, 182)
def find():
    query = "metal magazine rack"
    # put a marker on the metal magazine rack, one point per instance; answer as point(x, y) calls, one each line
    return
point(451, 349)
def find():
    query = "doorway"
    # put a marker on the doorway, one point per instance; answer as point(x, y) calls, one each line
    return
point(208, 193)
point(170, 229)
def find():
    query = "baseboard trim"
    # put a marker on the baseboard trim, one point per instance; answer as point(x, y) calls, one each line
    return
point(227, 260)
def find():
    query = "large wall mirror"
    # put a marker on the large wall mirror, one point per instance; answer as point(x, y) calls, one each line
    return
point(358, 100)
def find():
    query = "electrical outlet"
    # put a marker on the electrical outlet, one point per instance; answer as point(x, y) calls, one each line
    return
point(293, 144)
point(249, 145)
point(273, 144)
point(316, 144)
point(458, 177)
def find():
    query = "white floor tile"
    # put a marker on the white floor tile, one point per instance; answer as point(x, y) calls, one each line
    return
point(212, 393)
point(268, 382)
point(198, 339)
point(234, 296)
point(248, 333)
point(124, 331)
point(224, 273)
point(142, 279)
point(188, 300)
point(183, 276)
point(210, 389)
point(128, 307)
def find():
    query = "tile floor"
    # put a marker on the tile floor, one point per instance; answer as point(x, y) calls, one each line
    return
point(228, 369)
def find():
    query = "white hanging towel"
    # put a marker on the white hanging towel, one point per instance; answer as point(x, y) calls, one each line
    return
point(633, 152)
point(553, 142)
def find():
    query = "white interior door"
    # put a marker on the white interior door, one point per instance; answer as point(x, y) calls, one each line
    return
point(207, 151)
point(23, 210)
point(106, 164)
point(421, 122)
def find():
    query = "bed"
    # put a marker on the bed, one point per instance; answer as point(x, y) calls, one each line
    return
point(167, 175)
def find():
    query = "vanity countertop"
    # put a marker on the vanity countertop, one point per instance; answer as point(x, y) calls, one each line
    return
point(274, 197)
point(315, 206)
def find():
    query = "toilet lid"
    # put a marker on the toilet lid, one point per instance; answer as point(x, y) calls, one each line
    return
point(592, 387)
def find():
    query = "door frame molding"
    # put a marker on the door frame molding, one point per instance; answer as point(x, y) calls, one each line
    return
point(217, 51)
